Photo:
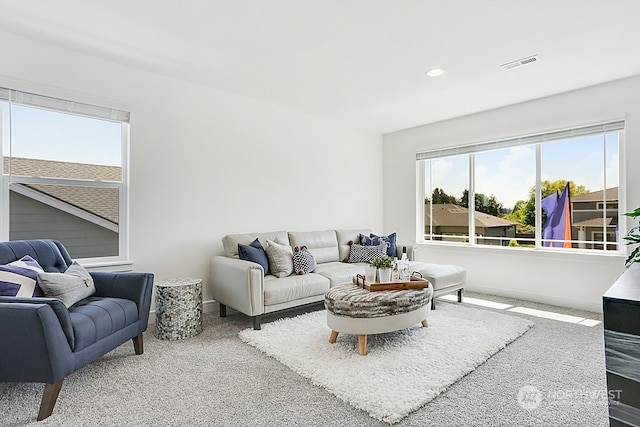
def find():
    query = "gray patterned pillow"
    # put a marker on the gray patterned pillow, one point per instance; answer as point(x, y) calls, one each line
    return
point(280, 258)
point(303, 260)
point(69, 287)
point(361, 253)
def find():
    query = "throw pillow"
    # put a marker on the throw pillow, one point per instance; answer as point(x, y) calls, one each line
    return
point(254, 252)
point(19, 278)
point(391, 239)
point(280, 258)
point(303, 260)
point(369, 240)
point(363, 253)
point(73, 285)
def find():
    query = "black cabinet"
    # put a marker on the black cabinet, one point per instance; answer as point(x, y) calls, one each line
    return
point(621, 308)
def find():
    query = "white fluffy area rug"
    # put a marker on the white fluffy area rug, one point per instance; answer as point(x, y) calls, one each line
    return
point(403, 370)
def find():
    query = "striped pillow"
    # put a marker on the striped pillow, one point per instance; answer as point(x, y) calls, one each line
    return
point(19, 278)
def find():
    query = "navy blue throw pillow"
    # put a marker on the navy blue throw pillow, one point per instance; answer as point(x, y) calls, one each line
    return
point(254, 252)
point(372, 241)
point(391, 239)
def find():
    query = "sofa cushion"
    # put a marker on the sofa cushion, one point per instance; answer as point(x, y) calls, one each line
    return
point(345, 239)
point(340, 273)
point(286, 289)
point(230, 241)
point(69, 287)
point(323, 245)
point(95, 318)
point(254, 252)
point(19, 278)
point(280, 258)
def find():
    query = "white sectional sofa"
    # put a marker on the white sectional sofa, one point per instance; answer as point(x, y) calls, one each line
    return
point(243, 286)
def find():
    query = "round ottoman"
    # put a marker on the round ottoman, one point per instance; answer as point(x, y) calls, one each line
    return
point(353, 310)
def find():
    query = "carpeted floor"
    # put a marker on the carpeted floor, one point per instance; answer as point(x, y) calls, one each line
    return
point(215, 379)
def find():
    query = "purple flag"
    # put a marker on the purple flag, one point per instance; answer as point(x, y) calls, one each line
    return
point(549, 205)
point(558, 224)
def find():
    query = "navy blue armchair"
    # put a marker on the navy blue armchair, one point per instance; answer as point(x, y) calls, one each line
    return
point(43, 341)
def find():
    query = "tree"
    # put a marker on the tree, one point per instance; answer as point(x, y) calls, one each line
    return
point(524, 211)
point(440, 197)
point(483, 203)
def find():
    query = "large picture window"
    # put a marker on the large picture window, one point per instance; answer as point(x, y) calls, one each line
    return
point(64, 174)
point(550, 190)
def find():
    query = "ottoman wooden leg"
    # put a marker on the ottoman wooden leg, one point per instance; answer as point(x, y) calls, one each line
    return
point(362, 345)
point(425, 323)
point(333, 337)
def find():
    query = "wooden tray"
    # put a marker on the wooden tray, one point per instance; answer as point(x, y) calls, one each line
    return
point(414, 283)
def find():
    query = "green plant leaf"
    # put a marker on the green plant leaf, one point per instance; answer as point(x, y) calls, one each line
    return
point(633, 257)
point(634, 214)
point(632, 239)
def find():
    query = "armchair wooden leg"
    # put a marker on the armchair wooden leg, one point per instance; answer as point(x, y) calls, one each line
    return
point(49, 398)
point(138, 344)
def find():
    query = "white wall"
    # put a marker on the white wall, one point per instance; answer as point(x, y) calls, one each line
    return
point(564, 279)
point(206, 163)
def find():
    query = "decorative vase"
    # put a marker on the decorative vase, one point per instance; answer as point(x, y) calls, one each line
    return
point(384, 275)
point(370, 274)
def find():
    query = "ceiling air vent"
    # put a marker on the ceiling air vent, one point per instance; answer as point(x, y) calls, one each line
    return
point(520, 62)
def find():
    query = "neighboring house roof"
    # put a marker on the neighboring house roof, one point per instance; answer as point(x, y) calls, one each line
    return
point(596, 222)
point(102, 202)
point(450, 215)
point(596, 196)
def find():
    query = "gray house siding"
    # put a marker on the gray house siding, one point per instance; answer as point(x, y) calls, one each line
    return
point(30, 219)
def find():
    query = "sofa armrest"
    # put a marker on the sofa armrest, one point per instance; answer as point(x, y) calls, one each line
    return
point(238, 284)
point(61, 311)
point(136, 287)
point(34, 346)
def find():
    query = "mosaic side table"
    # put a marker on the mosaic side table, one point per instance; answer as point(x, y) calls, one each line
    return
point(178, 308)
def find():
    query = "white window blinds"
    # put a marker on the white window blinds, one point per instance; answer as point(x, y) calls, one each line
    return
point(525, 140)
point(64, 106)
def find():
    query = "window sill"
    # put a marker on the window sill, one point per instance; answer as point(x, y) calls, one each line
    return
point(535, 252)
point(109, 266)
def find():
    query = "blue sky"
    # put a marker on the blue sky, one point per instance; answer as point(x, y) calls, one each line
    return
point(510, 173)
point(47, 135)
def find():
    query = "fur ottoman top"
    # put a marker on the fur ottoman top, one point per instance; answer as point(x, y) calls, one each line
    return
point(350, 300)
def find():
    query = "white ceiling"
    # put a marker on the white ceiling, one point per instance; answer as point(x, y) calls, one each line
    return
point(357, 61)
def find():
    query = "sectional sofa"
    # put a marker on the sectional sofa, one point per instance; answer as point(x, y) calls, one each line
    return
point(243, 286)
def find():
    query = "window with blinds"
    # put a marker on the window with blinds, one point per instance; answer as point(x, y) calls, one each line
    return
point(64, 173)
point(556, 189)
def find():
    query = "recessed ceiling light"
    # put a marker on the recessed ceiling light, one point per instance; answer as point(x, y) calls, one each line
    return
point(435, 72)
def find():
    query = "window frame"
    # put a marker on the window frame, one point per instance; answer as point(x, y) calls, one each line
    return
point(94, 109)
point(536, 140)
